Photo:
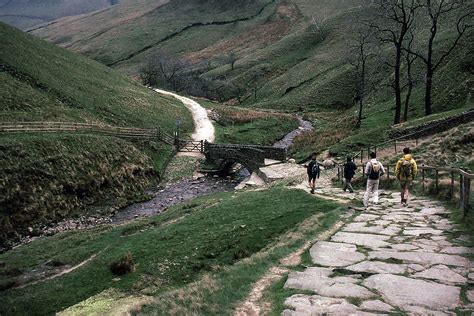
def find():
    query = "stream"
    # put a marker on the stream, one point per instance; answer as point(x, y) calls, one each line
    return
point(171, 194)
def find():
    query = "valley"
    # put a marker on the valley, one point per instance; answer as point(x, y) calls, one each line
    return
point(154, 155)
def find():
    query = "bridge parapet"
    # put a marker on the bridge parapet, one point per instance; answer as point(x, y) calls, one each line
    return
point(252, 156)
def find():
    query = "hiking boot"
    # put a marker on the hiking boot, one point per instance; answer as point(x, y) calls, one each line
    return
point(312, 191)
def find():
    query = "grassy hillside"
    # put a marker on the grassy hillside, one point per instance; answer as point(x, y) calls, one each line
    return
point(27, 13)
point(45, 177)
point(282, 63)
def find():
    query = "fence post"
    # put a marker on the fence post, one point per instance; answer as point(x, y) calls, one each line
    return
point(467, 193)
point(437, 181)
point(361, 156)
point(452, 184)
point(388, 173)
point(338, 173)
point(461, 190)
point(396, 147)
point(368, 153)
point(423, 179)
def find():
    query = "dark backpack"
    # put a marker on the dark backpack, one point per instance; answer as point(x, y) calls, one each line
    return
point(375, 169)
point(406, 169)
point(315, 169)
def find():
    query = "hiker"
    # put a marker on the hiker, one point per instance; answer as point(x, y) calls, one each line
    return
point(373, 171)
point(313, 171)
point(406, 171)
point(350, 169)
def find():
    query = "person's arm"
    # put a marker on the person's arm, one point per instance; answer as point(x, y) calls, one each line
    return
point(367, 169)
point(397, 169)
point(415, 169)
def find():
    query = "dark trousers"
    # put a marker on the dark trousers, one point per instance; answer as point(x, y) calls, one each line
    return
point(348, 184)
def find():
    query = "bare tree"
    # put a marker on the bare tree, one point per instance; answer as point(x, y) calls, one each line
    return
point(231, 58)
point(409, 61)
point(393, 23)
point(362, 50)
point(436, 10)
point(166, 70)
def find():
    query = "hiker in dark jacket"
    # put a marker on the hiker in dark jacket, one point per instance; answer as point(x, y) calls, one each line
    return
point(313, 171)
point(350, 169)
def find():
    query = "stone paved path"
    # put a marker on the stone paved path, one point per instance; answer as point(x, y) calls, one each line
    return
point(389, 258)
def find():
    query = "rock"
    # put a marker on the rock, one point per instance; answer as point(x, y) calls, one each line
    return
point(360, 227)
point(403, 292)
point(292, 161)
point(333, 254)
point(422, 231)
point(366, 240)
point(365, 217)
point(417, 310)
point(403, 247)
point(317, 279)
point(434, 211)
point(424, 258)
point(317, 305)
point(470, 295)
point(328, 164)
point(457, 250)
point(376, 305)
point(415, 267)
point(377, 267)
point(471, 276)
point(441, 273)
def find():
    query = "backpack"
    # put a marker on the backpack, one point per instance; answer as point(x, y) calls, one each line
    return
point(315, 169)
point(406, 169)
point(374, 170)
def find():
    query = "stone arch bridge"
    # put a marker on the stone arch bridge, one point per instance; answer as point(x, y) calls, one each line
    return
point(226, 155)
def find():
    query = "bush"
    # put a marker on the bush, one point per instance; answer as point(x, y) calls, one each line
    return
point(124, 265)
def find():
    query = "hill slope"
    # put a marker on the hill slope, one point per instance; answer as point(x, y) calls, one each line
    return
point(45, 177)
point(282, 62)
point(27, 13)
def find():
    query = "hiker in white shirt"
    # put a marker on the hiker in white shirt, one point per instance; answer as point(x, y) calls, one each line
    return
point(373, 171)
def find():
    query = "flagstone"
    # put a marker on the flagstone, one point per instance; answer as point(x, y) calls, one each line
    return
point(376, 305)
point(318, 280)
point(366, 217)
point(421, 231)
point(403, 247)
point(470, 295)
point(377, 267)
point(424, 258)
point(366, 240)
point(317, 305)
point(402, 292)
point(441, 273)
point(457, 250)
point(331, 254)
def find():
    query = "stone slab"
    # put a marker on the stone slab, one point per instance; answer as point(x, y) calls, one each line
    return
point(366, 217)
point(403, 247)
point(422, 231)
point(457, 250)
point(331, 254)
point(423, 258)
point(403, 292)
point(378, 267)
point(376, 305)
point(470, 295)
point(367, 240)
point(317, 279)
point(317, 305)
point(441, 273)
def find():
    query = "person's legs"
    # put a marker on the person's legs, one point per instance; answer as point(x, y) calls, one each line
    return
point(402, 186)
point(368, 191)
point(349, 185)
point(406, 191)
point(346, 186)
point(312, 184)
point(375, 190)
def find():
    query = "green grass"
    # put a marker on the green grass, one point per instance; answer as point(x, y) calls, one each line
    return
point(48, 176)
point(238, 125)
point(173, 249)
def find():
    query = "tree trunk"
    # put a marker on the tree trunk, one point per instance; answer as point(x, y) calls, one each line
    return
point(396, 87)
point(428, 92)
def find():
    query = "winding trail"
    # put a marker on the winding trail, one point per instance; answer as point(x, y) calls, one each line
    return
point(204, 130)
point(287, 141)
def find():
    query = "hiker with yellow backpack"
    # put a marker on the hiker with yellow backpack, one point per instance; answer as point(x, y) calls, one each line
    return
point(406, 171)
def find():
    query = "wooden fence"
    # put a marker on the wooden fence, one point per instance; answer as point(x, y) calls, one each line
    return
point(125, 132)
point(452, 183)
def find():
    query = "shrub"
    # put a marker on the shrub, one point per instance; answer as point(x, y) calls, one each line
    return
point(124, 265)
